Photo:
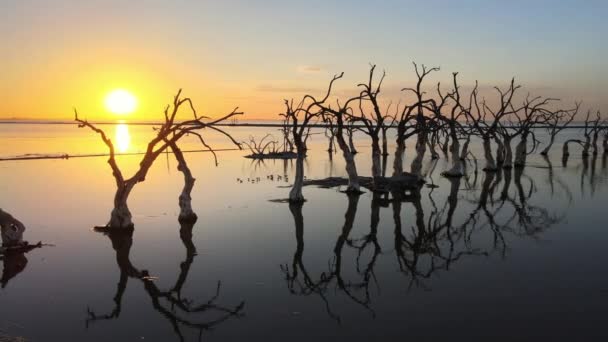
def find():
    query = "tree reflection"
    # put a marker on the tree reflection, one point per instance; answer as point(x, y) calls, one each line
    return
point(171, 304)
point(439, 234)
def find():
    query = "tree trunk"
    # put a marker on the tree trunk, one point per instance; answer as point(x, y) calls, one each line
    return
point(121, 215)
point(398, 160)
point(186, 214)
point(376, 163)
point(605, 143)
point(295, 195)
point(500, 152)
point(416, 168)
point(487, 149)
point(351, 144)
point(384, 143)
point(521, 151)
point(351, 167)
point(508, 163)
point(545, 151)
point(465, 149)
point(457, 167)
point(586, 146)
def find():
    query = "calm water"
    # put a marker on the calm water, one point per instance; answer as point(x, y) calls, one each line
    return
point(516, 256)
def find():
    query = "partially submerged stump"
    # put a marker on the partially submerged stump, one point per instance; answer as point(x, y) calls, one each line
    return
point(401, 183)
point(273, 155)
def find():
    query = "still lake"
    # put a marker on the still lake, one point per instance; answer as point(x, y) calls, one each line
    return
point(518, 255)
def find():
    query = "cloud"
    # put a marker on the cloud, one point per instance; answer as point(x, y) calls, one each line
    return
point(309, 69)
point(283, 89)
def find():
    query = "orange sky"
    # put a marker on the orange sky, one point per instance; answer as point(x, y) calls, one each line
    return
point(66, 53)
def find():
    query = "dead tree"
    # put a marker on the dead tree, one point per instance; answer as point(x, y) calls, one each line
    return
point(300, 116)
point(532, 112)
point(590, 132)
point(170, 132)
point(556, 122)
point(422, 125)
point(406, 128)
point(373, 123)
point(339, 114)
point(455, 129)
point(485, 120)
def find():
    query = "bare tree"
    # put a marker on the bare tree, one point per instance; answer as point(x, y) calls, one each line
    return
point(485, 120)
point(422, 126)
point(373, 123)
point(556, 122)
point(531, 114)
point(170, 132)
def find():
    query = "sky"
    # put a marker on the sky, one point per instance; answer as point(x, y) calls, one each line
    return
point(60, 54)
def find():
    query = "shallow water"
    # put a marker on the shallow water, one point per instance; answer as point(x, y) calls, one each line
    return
point(512, 256)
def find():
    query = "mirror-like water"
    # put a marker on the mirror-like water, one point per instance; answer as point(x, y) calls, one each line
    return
point(517, 255)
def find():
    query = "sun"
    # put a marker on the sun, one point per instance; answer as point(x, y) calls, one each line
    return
point(120, 102)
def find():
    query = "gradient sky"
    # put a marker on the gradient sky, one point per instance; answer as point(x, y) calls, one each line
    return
point(62, 53)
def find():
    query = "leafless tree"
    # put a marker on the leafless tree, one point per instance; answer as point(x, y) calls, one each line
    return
point(422, 126)
point(485, 120)
point(170, 132)
point(532, 112)
point(557, 121)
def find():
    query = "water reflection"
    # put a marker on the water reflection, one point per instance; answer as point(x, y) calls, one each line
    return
point(177, 309)
point(122, 137)
point(430, 241)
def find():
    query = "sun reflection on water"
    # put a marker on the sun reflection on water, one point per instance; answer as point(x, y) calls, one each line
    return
point(122, 137)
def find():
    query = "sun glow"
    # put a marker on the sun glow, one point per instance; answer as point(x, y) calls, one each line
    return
point(120, 102)
point(123, 138)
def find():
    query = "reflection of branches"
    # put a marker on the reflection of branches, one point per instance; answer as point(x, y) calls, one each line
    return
point(299, 281)
point(179, 306)
point(431, 246)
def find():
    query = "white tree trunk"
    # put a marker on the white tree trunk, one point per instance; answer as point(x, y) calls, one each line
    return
point(351, 167)
point(457, 165)
point(487, 149)
point(121, 215)
point(398, 160)
point(416, 168)
point(295, 195)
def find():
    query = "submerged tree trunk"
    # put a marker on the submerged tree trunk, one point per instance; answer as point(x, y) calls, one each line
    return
point(398, 160)
point(351, 144)
point(351, 167)
point(500, 152)
point(508, 163)
point(384, 143)
point(120, 216)
point(465, 148)
point(416, 168)
point(545, 151)
point(376, 162)
point(487, 149)
point(457, 164)
point(186, 214)
point(521, 151)
point(295, 195)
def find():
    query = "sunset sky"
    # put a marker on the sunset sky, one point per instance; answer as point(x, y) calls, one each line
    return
point(62, 53)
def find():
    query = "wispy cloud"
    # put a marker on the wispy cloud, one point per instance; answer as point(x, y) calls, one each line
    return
point(309, 68)
point(283, 89)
